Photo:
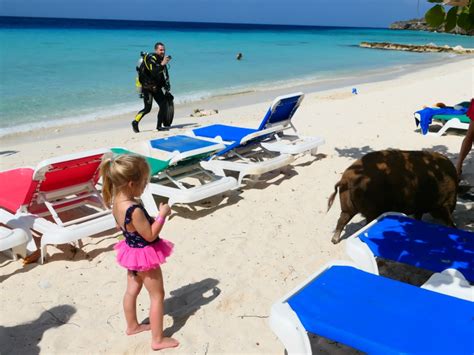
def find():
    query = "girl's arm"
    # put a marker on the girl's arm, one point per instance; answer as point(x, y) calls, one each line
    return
point(143, 227)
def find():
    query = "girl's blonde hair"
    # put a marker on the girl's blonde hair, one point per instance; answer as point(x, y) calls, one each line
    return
point(118, 172)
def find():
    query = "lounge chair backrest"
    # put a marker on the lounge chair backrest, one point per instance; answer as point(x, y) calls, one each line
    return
point(282, 110)
point(54, 182)
point(68, 171)
point(16, 188)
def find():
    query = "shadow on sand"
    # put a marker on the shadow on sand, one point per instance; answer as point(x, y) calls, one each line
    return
point(186, 301)
point(25, 338)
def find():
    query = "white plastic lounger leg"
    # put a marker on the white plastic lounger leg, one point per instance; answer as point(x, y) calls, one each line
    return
point(43, 254)
point(19, 250)
point(452, 283)
point(14, 239)
point(452, 123)
point(358, 251)
point(53, 234)
point(443, 129)
point(287, 326)
point(149, 201)
point(31, 246)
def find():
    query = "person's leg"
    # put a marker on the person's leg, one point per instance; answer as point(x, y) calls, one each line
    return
point(153, 281)
point(134, 285)
point(161, 101)
point(147, 102)
point(466, 147)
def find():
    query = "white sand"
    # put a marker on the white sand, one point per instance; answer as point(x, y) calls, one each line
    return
point(234, 256)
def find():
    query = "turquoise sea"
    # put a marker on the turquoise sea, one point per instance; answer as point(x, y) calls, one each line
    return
point(58, 69)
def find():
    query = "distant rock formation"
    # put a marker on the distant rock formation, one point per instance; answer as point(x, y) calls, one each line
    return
point(417, 48)
point(421, 25)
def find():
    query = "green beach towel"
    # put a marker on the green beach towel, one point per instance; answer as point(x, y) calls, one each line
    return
point(156, 165)
point(462, 118)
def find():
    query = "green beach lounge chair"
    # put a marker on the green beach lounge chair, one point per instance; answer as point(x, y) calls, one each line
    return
point(452, 121)
point(176, 172)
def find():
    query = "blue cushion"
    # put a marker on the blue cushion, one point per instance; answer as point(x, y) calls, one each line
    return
point(424, 245)
point(227, 133)
point(283, 111)
point(383, 316)
point(180, 143)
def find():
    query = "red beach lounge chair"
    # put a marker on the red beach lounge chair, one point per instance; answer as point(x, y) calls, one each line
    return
point(36, 200)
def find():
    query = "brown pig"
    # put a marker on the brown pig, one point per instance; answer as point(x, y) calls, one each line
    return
point(410, 182)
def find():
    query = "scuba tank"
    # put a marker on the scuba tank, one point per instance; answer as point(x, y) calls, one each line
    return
point(139, 87)
point(139, 68)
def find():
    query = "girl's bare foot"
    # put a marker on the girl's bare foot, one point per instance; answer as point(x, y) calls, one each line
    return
point(165, 343)
point(138, 329)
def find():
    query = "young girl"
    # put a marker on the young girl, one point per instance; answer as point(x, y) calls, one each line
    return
point(143, 251)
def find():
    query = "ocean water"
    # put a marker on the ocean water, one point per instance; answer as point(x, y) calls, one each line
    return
point(57, 69)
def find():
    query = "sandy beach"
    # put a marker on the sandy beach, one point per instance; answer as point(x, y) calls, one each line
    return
point(234, 255)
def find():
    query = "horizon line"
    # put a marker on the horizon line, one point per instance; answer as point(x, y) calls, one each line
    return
point(198, 23)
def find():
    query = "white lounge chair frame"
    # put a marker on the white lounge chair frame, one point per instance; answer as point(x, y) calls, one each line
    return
point(57, 201)
point(452, 283)
point(247, 159)
point(455, 284)
point(170, 182)
point(450, 124)
point(14, 239)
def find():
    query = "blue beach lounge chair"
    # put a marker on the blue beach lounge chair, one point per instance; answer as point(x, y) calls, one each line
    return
point(450, 118)
point(176, 173)
point(274, 124)
point(429, 246)
point(372, 314)
point(257, 151)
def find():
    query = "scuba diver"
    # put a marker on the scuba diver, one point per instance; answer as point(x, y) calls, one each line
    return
point(154, 81)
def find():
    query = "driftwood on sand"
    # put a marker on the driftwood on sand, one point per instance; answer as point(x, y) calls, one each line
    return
point(200, 112)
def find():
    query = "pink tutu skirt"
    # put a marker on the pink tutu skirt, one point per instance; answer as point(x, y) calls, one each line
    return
point(143, 259)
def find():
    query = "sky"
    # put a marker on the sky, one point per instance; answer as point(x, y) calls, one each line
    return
point(358, 13)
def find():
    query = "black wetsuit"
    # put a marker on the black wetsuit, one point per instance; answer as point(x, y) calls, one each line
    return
point(154, 80)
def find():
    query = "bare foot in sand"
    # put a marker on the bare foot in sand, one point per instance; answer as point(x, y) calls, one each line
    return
point(138, 329)
point(165, 343)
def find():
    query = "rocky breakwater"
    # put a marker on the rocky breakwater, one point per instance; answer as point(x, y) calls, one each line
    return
point(417, 48)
